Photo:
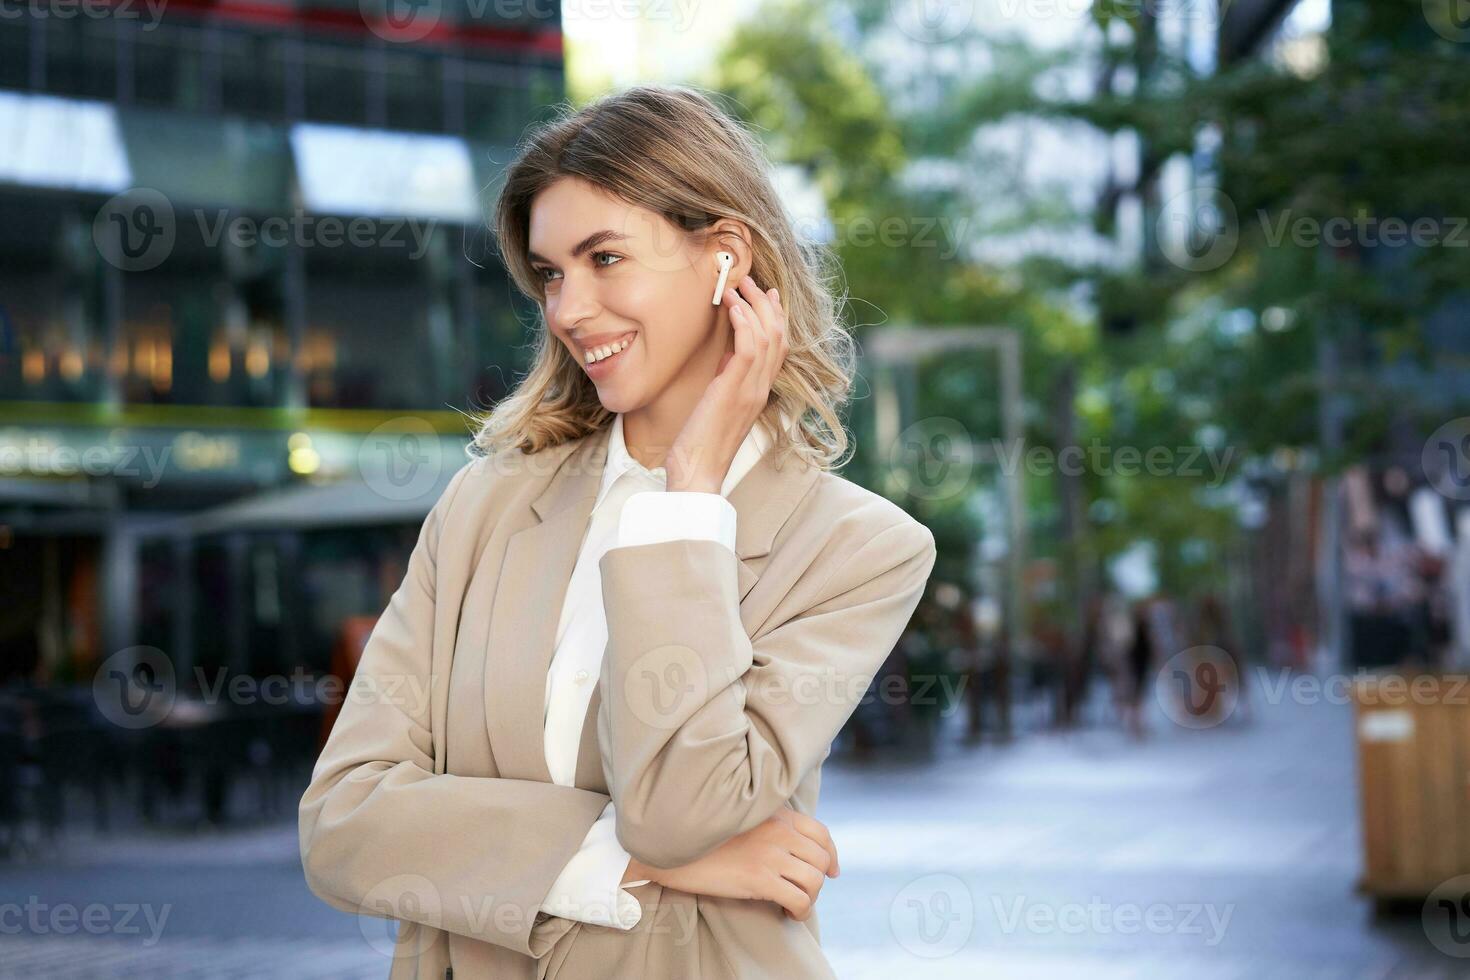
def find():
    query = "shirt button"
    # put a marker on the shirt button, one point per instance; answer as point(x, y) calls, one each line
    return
point(581, 676)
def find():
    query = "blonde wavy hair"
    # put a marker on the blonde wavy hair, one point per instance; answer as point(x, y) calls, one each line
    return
point(672, 151)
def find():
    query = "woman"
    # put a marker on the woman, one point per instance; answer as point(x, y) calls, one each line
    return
point(585, 738)
point(1139, 665)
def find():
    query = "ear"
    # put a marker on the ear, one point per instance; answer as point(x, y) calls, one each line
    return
point(730, 235)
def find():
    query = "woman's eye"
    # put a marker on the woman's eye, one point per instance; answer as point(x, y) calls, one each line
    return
point(548, 274)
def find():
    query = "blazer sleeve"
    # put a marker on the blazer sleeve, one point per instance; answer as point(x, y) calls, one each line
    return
point(382, 834)
point(706, 734)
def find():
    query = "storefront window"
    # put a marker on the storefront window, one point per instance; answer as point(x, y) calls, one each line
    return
point(51, 340)
point(78, 56)
point(191, 334)
point(370, 327)
point(336, 83)
point(15, 53)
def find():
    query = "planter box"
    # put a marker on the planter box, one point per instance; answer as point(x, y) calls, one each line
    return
point(1413, 738)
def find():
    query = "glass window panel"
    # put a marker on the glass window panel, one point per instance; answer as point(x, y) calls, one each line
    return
point(336, 89)
point(367, 342)
point(51, 337)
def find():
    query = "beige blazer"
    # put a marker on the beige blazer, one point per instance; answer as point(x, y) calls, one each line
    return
point(724, 681)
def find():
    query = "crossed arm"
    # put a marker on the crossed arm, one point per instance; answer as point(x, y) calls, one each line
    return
point(808, 677)
point(706, 733)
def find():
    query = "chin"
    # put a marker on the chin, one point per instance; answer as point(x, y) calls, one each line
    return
point(617, 399)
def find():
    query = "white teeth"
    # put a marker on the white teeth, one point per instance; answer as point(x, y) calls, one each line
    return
point(606, 350)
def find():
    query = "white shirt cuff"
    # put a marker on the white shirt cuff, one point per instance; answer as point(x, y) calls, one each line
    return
point(652, 516)
point(590, 889)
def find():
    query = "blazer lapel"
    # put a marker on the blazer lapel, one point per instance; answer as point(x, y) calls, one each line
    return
point(532, 586)
point(763, 501)
point(529, 593)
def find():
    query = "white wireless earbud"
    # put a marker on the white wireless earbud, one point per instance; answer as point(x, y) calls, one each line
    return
point(727, 261)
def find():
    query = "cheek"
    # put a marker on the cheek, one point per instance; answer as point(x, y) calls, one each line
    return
point(549, 316)
point(639, 298)
point(667, 307)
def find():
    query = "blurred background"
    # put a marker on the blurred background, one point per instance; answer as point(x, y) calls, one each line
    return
point(1164, 333)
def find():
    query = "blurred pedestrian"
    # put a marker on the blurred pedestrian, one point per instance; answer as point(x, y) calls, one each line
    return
point(1212, 629)
point(1139, 665)
point(1457, 594)
point(1080, 665)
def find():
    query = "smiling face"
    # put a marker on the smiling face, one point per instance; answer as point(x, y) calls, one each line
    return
point(617, 275)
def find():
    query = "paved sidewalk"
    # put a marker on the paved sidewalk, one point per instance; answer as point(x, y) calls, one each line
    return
point(1228, 853)
point(1225, 853)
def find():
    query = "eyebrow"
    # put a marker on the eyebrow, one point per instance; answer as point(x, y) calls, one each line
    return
point(590, 242)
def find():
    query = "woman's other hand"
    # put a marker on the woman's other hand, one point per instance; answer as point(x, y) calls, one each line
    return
point(784, 859)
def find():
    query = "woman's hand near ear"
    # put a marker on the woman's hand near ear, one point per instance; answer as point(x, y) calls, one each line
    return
point(785, 859)
point(704, 449)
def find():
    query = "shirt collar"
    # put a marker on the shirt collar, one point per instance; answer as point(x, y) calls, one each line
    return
point(619, 462)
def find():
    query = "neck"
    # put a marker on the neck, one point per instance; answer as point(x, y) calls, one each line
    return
point(649, 432)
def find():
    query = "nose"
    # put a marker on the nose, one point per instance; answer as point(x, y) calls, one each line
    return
point(573, 302)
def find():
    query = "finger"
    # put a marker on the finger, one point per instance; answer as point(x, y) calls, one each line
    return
point(757, 384)
point(741, 317)
point(773, 320)
point(811, 852)
point(803, 876)
point(758, 304)
point(812, 827)
point(796, 902)
point(760, 333)
point(783, 322)
point(739, 302)
point(758, 300)
point(746, 322)
point(817, 831)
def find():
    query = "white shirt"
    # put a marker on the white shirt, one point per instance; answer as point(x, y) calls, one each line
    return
point(632, 507)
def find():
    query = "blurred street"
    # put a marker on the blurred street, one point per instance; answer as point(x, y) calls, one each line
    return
point(1225, 853)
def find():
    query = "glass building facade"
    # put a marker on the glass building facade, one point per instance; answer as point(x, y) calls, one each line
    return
point(238, 245)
